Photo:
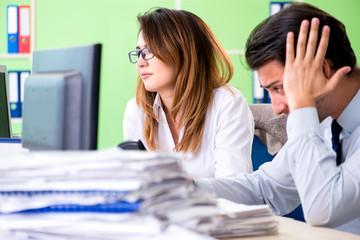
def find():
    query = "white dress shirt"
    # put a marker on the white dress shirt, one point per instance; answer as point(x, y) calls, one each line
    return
point(305, 168)
point(226, 143)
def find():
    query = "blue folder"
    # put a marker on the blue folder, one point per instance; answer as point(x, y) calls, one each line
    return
point(117, 206)
point(12, 29)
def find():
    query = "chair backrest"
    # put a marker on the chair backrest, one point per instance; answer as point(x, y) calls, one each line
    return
point(270, 136)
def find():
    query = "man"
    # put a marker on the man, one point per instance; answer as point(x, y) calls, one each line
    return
point(322, 83)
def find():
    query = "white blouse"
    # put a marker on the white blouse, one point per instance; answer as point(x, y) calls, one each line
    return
point(226, 143)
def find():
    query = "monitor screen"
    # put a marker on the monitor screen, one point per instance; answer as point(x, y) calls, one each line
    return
point(61, 99)
point(5, 123)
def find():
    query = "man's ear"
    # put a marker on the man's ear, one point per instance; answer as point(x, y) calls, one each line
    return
point(327, 68)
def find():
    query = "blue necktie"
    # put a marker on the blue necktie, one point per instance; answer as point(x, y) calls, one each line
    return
point(336, 145)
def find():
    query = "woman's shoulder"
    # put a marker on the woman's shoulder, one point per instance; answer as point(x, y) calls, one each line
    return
point(227, 92)
point(132, 102)
point(132, 108)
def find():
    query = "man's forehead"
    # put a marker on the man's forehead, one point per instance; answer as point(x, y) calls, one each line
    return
point(270, 74)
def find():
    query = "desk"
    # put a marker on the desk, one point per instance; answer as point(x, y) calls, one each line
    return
point(296, 230)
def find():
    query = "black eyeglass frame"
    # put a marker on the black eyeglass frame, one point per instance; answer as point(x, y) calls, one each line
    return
point(138, 53)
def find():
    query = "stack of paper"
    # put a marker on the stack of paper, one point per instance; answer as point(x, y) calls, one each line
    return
point(82, 181)
point(219, 218)
point(237, 220)
point(90, 226)
point(78, 195)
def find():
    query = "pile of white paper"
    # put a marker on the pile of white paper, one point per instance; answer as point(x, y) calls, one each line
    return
point(43, 179)
point(90, 226)
point(237, 220)
point(79, 195)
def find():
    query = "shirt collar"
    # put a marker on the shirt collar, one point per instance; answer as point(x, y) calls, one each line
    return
point(157, 105)
point(158, 110)
point(349, 119)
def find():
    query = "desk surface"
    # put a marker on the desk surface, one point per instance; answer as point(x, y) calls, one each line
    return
point(294, 230)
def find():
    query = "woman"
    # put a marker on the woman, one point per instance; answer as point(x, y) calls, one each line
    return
point(183, 102)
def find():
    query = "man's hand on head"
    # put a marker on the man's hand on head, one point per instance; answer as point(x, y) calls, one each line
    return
point(304, 78)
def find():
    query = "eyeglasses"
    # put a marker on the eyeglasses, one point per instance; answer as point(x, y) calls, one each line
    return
point(146, 54)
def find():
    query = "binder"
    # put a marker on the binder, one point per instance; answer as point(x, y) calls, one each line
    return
point(267, 97)
point(67, 201)
point(275, 7)
point(258, 91)
point(24, 29)
point(23, 76)
point(14, 93)
point(12, 28)
point(117, 207)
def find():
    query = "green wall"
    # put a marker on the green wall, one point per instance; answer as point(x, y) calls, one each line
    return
point(113, 23)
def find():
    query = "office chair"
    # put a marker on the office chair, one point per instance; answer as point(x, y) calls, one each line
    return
point(272, 128)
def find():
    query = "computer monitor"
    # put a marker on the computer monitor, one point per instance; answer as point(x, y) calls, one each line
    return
point(61, 99)
point(5, 122)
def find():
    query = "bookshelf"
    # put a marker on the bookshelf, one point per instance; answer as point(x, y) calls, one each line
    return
point(32, 41)
point(17, 61)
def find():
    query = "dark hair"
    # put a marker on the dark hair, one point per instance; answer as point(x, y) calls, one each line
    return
point(268, 40)
point(183, 40)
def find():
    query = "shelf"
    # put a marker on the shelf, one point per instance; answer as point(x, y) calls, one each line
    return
point(235, 52)
point(32, 41)
point(16, 56)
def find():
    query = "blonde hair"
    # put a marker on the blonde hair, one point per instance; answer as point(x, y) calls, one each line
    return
point(181, 39)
